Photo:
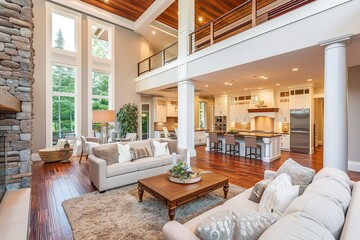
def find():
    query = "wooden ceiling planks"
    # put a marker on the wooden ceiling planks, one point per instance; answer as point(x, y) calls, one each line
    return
point(129, 9)
point(208, 10)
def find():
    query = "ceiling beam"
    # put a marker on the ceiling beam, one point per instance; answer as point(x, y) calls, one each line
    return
point(158, 7)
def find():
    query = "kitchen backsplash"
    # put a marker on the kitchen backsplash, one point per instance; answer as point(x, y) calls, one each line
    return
point(171, 123)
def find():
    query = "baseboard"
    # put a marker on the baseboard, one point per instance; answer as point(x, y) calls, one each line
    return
point(35, 157)
point(354, 166)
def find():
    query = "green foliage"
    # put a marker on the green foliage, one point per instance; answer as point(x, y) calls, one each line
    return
point(181, 171)
point(128, 119)
point(100, 47)
point(59, 41)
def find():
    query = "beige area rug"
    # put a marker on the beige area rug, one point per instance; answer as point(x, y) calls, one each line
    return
point(117, 214)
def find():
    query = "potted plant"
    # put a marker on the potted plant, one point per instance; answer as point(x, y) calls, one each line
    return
point(128, 119)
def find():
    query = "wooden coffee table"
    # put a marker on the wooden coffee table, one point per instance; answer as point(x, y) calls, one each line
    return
point(174, 194)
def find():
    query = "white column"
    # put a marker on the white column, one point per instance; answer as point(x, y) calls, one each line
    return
point(267, 142)
point(186, 132)
point(335, 101)
point(186, 88)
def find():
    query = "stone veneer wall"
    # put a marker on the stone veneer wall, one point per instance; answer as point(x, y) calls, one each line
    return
point(16, 75)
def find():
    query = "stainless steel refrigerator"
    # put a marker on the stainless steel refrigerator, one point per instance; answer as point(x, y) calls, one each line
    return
point(300, 130)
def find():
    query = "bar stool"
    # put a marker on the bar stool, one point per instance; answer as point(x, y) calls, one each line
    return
point(250, 142)
point(213, 138)
point(230, 140)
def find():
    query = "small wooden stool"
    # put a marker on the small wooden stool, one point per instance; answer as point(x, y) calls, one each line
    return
point(230, 141)
point(250, 142)
point(213, 139)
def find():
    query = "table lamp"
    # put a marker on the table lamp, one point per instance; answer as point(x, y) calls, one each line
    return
point(103, 117)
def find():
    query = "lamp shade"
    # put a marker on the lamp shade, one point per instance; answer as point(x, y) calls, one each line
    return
point(103, 116)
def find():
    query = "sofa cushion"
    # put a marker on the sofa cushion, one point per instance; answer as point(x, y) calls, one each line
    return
point(241, 201)
point(142, 143)
point(124, 153)
point(328, 172)
point(259, 189)
point(139, 152)
point(149, 162)
point(234, 224)
point(161, 149)
point(278, 195)
point(297, 225)
point(352, 222)
point(121, 168)
point(300, 175)
point(166, 159)
point(108, 152)
point(323, 209)
point(333, 189)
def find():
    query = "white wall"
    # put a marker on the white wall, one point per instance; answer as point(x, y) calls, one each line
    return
point(354, 117)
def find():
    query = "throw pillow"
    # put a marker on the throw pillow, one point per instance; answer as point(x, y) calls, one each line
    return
point(161, 149)
point(108, 152)
point(258, 190)
point(139, 152)
point(124, 153)
point(328, 172)
point(236, 224)
point(300, 175)
point(278, 195)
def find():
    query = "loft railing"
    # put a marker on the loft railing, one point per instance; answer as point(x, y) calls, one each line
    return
point(158, 59)
point(245, 16)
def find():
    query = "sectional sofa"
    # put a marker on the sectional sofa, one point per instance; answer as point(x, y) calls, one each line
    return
point(328, 209)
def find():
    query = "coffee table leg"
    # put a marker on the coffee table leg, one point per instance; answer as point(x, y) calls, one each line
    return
point(140, 192)
point(172, 213)
point(226, 190)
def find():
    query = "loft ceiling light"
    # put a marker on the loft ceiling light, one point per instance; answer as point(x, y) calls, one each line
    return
point(295, 69)
point(153, 32)
point(200, 19)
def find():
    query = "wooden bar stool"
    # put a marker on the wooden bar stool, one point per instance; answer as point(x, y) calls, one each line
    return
point(230, 141)
point(213, 139)
point(250, 142)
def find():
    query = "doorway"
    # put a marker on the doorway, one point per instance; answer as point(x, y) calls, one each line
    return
point(319, 121)
point(145, 121)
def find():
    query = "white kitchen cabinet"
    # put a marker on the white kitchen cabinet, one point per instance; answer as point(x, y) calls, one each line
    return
point(239, 108)
point(284, 107)
point(171, 109)
point(235, 113)
point(159, 110)
point(221, 105)
point(200, 138)
point(300, 98)
point(285, 142)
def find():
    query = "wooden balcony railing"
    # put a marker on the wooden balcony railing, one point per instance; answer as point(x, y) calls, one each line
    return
point(245, 16)
point(158, 59)
point(241, 18)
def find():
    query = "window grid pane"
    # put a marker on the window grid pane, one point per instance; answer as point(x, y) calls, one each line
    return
point(63, 79)
point(100, 84)
point(100, 42)
point(63, 116)
point(63, 32)
point(100, 104)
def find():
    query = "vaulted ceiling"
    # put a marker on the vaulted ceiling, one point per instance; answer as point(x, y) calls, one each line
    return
point(207, 10)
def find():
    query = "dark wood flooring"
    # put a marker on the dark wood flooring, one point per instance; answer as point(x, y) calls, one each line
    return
point(52, 183)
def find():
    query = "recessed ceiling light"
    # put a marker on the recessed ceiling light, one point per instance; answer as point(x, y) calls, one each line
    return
point(230, 84)
point(153, 32)
point(309, 80)
point(260, 88)
point(295, 69)
point(226, 83)
point(261, 77)
point(265, 78)
point(206, 85)
point(245, 89)
point(106, 1)
point(278, 84)
point(200, 19)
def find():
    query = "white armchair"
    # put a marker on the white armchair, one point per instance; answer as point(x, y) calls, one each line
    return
point(86, 146)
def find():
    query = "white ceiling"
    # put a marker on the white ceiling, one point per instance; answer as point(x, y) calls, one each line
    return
point(278, 70)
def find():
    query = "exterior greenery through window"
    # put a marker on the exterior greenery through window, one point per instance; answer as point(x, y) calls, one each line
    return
point(100, 43)
point(100, 91)
point(201, 114)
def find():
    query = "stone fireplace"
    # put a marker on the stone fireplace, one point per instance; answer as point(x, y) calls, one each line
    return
point(16, 79)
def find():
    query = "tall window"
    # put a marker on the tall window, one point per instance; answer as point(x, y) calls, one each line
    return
point(62, 73)
point(101, 67)
point(201, 114)
point(63, 101)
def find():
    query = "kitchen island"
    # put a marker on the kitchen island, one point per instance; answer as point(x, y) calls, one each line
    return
point(270, 143)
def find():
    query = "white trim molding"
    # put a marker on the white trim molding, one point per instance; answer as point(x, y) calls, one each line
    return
point(354, 166)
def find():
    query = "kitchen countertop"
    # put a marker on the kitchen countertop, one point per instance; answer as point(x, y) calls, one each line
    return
point(250, 133)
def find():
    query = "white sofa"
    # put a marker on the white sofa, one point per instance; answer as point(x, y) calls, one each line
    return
point(288, 226)
point(119, 174)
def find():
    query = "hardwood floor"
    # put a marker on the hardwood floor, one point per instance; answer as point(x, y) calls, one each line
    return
point(52, 183)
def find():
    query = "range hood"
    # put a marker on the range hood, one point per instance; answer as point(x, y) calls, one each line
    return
point(8, 102)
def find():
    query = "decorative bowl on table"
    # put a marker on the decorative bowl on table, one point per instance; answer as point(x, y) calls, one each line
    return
point(181, 173)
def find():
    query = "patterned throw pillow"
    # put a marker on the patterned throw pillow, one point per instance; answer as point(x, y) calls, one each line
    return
point(139, 152)
point(258, 190)
point(300, 175)
point(235, 224)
